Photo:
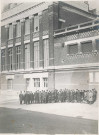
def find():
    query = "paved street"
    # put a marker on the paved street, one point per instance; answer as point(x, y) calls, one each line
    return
point(57, 118)
point(24, 121)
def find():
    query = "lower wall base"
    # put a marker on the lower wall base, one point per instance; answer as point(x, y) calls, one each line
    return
point(56, 80)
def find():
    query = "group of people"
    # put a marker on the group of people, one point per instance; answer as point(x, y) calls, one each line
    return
point(63, 95)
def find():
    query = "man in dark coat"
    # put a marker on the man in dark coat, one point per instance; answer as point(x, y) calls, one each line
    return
point(21, 97)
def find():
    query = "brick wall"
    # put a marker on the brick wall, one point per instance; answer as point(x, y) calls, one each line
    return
point(45, 20)
point(61, 57)
point(71, 18)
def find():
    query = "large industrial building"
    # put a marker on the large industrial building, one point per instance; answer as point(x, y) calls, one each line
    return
point(49, 45)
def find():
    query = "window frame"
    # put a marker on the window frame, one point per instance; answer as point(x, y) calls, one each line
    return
point(36, 82)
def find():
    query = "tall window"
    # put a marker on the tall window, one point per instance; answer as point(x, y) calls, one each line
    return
point(73, 49)
point(97, 44)
point(3, 59)
point(27, 56)
point(46, 52)
point(18, 29)
point(86, 47)
point(27, 82)
point(27, 26)
point(18, 56)
point(45, 80)
point(36, 23)
point(36, 54)
point(10, 54)
point(10, 31)
point(36, 82)
point(10, 84)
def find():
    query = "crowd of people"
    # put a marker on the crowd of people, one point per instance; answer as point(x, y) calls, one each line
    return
point(38, 97)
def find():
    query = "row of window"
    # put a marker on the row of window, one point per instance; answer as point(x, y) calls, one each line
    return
point(27, 27)
point(36, 83)
point(86, 47)
point(27, 56)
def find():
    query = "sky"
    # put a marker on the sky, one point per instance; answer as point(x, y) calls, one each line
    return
point(92, 3)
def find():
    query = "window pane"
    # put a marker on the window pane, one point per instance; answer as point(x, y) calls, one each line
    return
point(36, 54)
point(9, 83)
point(18, 29)
point(10, 31)
point(86, 47)
point(97, 44)
point(10, 54)
point(46, 52)
point(36, 82)
point(27, 82)
point(18, 56)
point(36, 23)
point(73, 49)
point(27, 26)
point(3, 59)
point(45, 80)
point(27, 56)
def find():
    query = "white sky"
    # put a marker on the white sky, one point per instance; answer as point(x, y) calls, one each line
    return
point(92, 3)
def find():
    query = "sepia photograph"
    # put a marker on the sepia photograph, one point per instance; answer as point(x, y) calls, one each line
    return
point(49, 67)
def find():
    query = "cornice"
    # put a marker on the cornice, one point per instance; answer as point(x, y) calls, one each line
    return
point(25, 13)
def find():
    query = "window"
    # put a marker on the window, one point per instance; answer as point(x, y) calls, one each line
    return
point(27, 82)
point(73, 49)
point(27, 26)
point(36, 23)
point(27, 56)
point(18, 56)
point(45, 80)
point(3, 59)
point(10, 84)
point(96, 76)
point(91, 77)
point(36, 54)
point(97, 44)
point(46, 52)
point(18, 29)
point(10, 31)
point(36, 82)
point(86, 47)
point(10, 54)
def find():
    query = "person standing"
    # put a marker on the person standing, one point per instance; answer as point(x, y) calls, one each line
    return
point(20, 97)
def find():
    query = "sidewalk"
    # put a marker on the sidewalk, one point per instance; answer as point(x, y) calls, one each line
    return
point(79, 110)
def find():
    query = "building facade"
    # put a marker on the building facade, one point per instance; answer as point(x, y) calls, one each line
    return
point(49, 45)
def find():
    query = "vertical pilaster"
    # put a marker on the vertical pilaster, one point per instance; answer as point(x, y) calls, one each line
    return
point(41, 48)
point(6, 50)
point(53, 25)
point(14, 50)
point(31, 42)
point(22, 44)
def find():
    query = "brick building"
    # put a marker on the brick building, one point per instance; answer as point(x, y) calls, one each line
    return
point(49, 45)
